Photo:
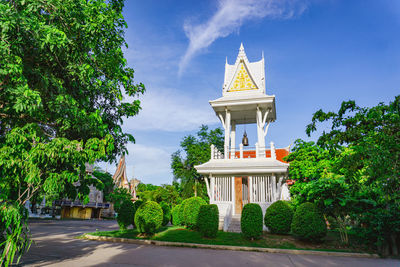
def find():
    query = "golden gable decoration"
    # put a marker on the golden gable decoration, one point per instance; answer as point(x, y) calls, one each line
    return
point(243, 81)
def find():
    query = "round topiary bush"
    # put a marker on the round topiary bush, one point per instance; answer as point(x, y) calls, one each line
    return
point(176, 220)
point(251, 221)
point(166, 213)
point(308, 223)
point(278, 217)
point(208, 220)
point(136, 206)
point(181, 211)
point(191, 211)
point(126, 214)
point(149, 217)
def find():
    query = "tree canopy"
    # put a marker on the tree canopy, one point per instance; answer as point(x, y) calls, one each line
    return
point(354, 169)
point(63, 78)
point(196, 150)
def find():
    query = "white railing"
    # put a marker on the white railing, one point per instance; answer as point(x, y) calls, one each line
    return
point(222, 191)
point(266, 188)
point(244, 153)
point(228, 217)
point(215, 153)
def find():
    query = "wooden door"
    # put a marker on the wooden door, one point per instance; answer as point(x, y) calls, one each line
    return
point(238, 195)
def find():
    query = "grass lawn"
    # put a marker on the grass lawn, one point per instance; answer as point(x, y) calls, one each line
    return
point(181, 234)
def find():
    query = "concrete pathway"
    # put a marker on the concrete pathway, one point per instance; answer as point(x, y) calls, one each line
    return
point(55, 245)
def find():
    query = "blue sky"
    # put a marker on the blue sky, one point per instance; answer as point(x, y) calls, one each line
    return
point(318, 53)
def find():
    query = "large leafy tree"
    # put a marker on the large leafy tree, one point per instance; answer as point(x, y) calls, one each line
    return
point(364, 149)
point(196, 150)
point(63, 78)
point(318, 181)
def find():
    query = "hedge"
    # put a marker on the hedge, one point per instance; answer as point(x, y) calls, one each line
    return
point(308, 223)
point(251, 221)
point(126, 214)
point(181, 212)
point(176, 220)
point(149, 217)
point(166, 213)
point(278, 217)
point(191, 211)
point(208, 220)
point(136, 206)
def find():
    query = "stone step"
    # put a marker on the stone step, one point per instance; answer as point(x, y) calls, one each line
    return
point(234, 226)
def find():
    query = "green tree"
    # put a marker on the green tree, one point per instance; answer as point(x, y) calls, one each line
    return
point(370, 165)
point(119, 196)
point(105, 183)
point(319, 180)
point(63, 78)
point(196, 151)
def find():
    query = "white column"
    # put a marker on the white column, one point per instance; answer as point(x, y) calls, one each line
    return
point(212, 182)
point(250, 179)
point(227, 132)
point(260, 132)
point(233, 139)
point(241, 150)
point(273, 153)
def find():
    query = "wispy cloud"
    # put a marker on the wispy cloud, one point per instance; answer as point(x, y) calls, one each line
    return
point(230, 15)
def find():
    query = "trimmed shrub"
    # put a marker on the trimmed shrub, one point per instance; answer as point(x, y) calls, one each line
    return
point(251, 221)
point(308, 223)
point(126, 214)
point(208, 220)
point(149, 217)
point(166, 213)
point(176, 220)
point(180, 213)
point(136, 206)
point(278, 217)
point(191, 211)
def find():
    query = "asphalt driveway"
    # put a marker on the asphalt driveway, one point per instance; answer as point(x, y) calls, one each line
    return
point(56, 245)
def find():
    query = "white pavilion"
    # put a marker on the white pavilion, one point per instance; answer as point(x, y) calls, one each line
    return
point(242, 174)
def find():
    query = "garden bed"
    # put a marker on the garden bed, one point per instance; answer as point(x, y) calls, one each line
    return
point(180, 234)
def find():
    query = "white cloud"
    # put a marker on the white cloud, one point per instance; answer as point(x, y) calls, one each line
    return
point(171, 111)
point(146, 163)
point(230, 15)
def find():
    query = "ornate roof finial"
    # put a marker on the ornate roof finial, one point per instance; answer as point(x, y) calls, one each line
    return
point(241, 47)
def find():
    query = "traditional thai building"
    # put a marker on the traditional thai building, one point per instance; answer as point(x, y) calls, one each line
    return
point(76, 209)
point(240, 174)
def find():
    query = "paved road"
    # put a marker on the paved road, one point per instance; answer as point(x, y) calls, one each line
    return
point(55, 245)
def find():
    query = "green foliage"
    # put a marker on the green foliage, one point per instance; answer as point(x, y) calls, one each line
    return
point(119, 196)
point(176, 218)
point(166, 213)
point(165, 193)
point(63, 76)
point(197, 151)
point(191, 209)
point(136, 206)
point(126, 214)
point(149, 217)
point(208, 220)
point(251, 221)
point(105, 183)
point(278, 217)
point(364, 148)
point(308, 223)
point(14, 232)
point(181, 211)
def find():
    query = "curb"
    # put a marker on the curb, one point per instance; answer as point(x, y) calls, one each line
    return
point(223, 247)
